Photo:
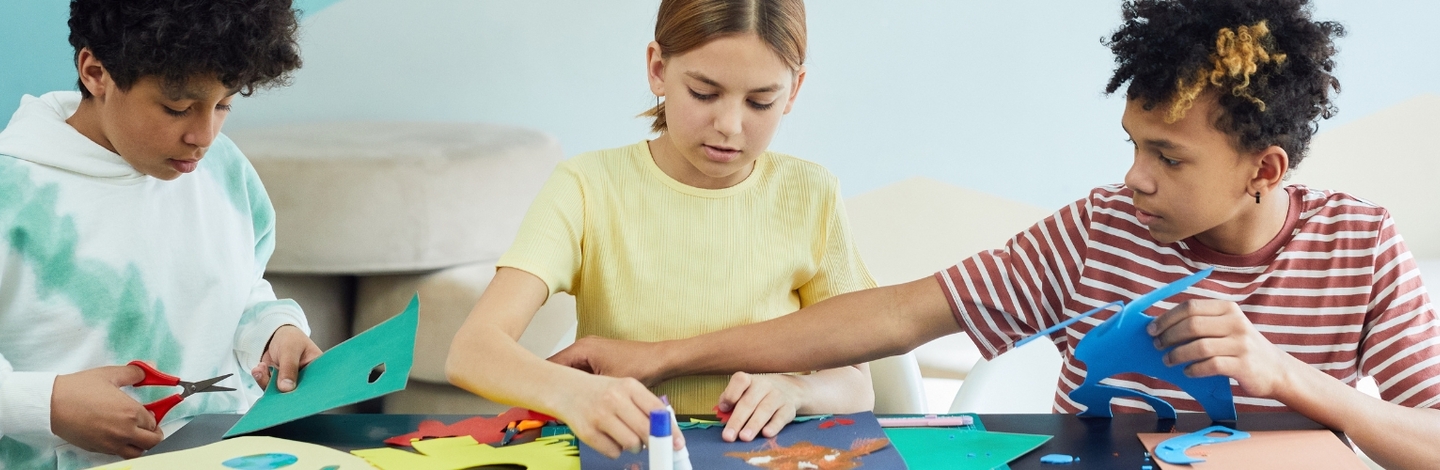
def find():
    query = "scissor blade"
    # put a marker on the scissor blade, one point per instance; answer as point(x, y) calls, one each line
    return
point(208, 385)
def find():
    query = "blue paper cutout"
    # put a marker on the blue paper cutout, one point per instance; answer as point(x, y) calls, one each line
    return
point(1121, 345)
point(261, 461)
point(1172, 450)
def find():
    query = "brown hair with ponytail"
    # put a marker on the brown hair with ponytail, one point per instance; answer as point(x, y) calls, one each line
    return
point(684, 25)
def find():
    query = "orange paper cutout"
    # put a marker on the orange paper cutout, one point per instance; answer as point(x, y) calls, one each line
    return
point(804, 455)
point(1312, 450)
point(484, 430)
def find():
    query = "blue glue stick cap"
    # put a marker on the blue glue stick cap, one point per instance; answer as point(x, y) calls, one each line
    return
point(660, 423)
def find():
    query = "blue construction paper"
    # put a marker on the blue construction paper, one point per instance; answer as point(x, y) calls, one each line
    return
point(341, 376)
point(1121, 344)
point(707, 450)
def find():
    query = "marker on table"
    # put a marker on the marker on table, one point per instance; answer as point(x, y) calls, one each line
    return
point(662, 443)
point(682, 456)
point(927, 421)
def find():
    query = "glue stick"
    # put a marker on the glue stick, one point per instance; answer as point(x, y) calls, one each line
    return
point(682, 456)
point(662, 443)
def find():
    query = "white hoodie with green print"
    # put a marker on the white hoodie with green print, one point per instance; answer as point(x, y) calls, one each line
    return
point(100, 265)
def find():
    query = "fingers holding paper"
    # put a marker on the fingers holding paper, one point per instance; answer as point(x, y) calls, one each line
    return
point(288, 351)
point(759, 405)
point(1215, 338)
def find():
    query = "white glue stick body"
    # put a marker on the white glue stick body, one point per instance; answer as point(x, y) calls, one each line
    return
point(682, 456)
point(662, 443)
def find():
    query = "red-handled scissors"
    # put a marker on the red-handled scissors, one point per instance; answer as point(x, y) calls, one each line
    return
point(163, 405)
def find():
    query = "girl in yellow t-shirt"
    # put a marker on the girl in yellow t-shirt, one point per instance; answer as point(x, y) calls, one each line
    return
point(696, 231)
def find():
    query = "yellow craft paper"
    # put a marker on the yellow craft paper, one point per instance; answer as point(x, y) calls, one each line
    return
point(310, 456)
point(457, 453)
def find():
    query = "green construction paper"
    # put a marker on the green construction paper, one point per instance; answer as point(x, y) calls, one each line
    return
point(959, 448)
point(700, 424)
point(341, 376)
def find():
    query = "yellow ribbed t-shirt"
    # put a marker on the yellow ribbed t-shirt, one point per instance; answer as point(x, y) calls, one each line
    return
point(649, 258)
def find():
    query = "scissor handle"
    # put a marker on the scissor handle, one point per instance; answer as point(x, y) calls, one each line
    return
point(163, 405)
point(154, 377)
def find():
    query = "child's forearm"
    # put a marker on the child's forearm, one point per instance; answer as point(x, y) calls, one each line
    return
point(853, 328)
point(840, 390)
point(1397, 437)
point(486, 357)
point(490, 363)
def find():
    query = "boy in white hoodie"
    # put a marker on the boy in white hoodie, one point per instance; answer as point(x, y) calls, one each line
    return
point(130, 228)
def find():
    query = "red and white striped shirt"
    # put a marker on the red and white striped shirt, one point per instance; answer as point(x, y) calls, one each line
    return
point(1336, 289)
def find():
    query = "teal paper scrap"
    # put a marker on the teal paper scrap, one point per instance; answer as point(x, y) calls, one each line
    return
point(341, 376)
point(960, 448)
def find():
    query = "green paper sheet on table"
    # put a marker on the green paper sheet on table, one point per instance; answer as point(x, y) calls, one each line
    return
point(341, 376)
point(952, 448)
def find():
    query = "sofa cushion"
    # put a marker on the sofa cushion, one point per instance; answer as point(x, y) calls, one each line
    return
point(446, 298)
point(376, 197)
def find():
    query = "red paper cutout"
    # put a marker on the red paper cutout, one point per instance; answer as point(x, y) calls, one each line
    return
point(840, 421)
point(484, 430)
point(807, 455)
point(723, 415)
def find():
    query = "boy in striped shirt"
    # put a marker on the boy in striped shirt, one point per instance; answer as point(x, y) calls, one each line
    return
point(1312, 289)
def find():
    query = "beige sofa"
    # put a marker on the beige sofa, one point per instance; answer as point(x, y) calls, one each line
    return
point(371, 212)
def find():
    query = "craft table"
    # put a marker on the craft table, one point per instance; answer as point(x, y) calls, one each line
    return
point(1100, 443)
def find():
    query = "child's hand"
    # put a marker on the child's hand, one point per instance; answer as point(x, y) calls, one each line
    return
point(289, 350)
point(758, 405)
point(88, 409)
point(612, 414)
point(613, 357)
point(1217, 337)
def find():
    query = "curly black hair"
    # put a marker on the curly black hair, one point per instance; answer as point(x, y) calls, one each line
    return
point(246, 44)
point(1272, 62)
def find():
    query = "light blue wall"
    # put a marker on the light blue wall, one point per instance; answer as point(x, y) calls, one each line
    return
point(1002, 97)
point(35, 52)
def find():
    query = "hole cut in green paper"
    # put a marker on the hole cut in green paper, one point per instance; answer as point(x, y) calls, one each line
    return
point(343, 375)
point(376, 372)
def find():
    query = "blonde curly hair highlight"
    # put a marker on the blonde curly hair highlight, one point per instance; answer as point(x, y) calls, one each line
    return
point(1239, 53)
